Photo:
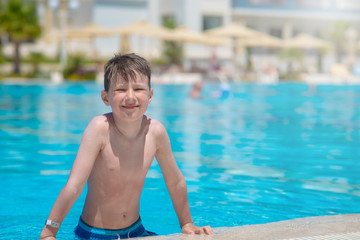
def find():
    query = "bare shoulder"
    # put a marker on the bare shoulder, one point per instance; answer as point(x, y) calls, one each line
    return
point(99, 126)
point(158, 131)
point(156, 127)
point(100, 123)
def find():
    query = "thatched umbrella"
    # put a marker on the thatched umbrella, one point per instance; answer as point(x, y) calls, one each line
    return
point(261, 40)
point(89, 32)
point(142, 28)
point(185, 35)
point(234, 31)
point(139, 28)
point(305, 41)
point(182, 35)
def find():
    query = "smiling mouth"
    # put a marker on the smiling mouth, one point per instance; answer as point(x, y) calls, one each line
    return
point(130, 106)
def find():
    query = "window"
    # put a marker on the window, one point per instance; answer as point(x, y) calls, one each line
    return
point(210, 22)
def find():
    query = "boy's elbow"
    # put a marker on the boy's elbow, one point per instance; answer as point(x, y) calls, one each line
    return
point(73, 189)
point(179, 184)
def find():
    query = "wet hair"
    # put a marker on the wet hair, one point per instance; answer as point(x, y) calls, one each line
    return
point(125, 67)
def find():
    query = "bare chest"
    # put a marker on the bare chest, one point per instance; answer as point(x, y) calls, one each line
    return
point(126, 158)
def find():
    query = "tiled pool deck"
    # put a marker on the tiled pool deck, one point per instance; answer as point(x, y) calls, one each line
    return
point(344, 227)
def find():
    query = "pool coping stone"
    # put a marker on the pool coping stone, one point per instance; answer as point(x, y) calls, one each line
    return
point(282, 230)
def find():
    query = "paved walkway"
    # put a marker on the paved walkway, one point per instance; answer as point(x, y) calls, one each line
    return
point(325, 227)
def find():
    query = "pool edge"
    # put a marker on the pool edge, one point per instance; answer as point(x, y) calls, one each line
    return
point(288, 229)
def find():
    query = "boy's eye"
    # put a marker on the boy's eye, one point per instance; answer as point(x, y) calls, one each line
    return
point(120, 90)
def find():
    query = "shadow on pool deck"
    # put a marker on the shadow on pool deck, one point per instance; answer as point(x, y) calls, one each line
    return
point(289, 229)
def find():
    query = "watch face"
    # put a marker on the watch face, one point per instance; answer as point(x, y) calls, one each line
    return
point(52, 224)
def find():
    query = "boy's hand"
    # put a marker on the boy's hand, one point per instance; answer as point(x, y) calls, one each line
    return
point(190, 228)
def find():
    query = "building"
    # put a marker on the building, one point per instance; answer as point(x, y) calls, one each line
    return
point(281, 18)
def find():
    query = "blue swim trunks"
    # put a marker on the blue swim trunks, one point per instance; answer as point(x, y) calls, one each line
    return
point(85, 231)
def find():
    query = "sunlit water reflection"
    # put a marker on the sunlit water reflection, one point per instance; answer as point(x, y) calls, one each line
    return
point(262, 153)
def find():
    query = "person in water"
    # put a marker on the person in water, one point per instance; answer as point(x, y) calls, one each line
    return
point(115, 154)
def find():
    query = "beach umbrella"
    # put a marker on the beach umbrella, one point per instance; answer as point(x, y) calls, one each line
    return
point(143, 28)
point(139, 28)
point(305, 41)
point(71, 33)
point(234, 31)
point(91, 30)
point(261, 40)
point(185, 35)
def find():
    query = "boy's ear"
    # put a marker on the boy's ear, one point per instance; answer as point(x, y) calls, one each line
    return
point(151, 94)
point(105, 98)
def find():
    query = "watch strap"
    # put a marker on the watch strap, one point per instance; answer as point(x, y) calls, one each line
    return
point(51, 223)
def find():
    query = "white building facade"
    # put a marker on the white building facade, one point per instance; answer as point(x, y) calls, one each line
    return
point(280, 18)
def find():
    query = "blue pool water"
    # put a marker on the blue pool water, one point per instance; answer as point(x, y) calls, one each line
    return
point(264, 153)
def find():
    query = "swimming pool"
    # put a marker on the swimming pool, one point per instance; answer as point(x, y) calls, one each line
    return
point(264, 153)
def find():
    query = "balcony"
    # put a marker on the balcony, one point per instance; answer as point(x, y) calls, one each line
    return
point(336, 9)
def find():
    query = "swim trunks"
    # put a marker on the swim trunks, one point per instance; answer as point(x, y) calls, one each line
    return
point(85, 231)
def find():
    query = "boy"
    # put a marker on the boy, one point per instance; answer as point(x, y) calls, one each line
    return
point(114, 156)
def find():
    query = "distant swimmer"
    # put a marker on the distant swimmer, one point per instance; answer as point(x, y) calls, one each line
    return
point(195, 91)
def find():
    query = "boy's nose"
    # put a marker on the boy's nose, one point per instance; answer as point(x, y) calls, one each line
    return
point(130, 94)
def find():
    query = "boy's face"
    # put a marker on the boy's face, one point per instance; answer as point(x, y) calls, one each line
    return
point(128, 100)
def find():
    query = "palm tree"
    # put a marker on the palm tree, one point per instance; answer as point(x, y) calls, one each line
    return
point(291, 56)
point(36, 58)
point(172, 52)
point(18, 19)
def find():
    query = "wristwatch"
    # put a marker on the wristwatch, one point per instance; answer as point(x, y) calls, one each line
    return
point(51, 223)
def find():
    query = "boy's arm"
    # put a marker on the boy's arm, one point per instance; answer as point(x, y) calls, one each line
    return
point(176, 184)
point(89, 149)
